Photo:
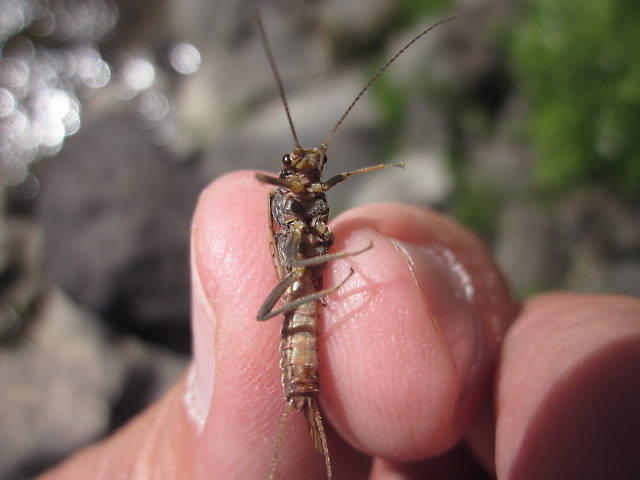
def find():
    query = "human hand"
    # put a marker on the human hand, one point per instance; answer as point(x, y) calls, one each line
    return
point(421, 349)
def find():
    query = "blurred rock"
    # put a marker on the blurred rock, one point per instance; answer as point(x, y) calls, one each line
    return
point(426, 126)
point(141, 23)
point(620, 219)
point(234, 64)
point(503, 158)
point(116, 211)
point(593, 271)
point(424, 181)
point(590, 242)
point(56, 387)
point(622, 278)
point(4, 235)
point(21, 284)
point(148, 372)
point(462, 55)
point(528, 248)
point(356, 18)
point(25, 248)
point(604, 233)
point(65, 384)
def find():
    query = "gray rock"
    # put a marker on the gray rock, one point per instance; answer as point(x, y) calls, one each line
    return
point(589, 242)
point(234, 63)
point(425, 126)
point(116, 211)
point(622, 220)
point(461, 55)
point(56, 387)
point(4, 235)
point(148, 372)
point(623, 278)
point(424, 181)
point(504, 159)
point(23, 281)
point(529, 249)
point(356, 18)
point(69, 382)
point(604, 233)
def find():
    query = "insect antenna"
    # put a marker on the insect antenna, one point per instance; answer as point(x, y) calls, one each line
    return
point(276, 452)
point(276, 74)
point(325, 145)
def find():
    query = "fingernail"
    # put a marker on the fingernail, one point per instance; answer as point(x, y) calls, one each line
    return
point(202, 374)
point(448, 291)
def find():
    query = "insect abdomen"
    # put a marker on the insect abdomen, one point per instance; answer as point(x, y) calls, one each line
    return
point(299, 349)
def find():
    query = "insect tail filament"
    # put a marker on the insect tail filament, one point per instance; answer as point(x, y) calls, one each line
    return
point(276, 452)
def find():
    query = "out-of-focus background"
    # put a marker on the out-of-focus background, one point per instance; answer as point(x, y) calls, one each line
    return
point(521, 119)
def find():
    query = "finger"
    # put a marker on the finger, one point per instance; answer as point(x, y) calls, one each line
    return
point(409, 343)
point(456, 464)
point(237, 387)
point(568, 390)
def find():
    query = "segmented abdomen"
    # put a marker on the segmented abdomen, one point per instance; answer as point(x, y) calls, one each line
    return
point(299, 348)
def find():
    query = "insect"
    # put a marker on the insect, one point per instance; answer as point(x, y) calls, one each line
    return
point(297, 219)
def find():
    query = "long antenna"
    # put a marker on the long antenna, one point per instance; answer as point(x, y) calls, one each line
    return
point(325, 145)
point(274, 69)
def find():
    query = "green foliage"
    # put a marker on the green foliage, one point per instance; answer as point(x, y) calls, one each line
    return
point(477, 205)
point(391, 101)
point(578, 62)
point(409, 11)
point(391, 97)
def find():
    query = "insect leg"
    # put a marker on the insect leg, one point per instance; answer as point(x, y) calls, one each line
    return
point(298, 301)
point(275, 294)
point(343, 176)
point(295, 187)
point(320, 259)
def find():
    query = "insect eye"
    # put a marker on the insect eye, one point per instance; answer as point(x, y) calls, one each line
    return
point(286, 159)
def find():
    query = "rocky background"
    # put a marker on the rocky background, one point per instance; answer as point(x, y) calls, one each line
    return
point(115, 114)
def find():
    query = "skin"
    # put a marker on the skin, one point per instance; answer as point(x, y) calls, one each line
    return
point(428, 367)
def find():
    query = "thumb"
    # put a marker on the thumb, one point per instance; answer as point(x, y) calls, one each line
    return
point(177, 436)
point(221, 419)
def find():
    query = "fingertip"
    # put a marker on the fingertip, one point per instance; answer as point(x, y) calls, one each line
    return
point(567, 389)
point(411, 340)
point(385, 366)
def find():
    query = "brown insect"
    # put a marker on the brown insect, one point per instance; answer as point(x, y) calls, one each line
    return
point(297, 218)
